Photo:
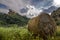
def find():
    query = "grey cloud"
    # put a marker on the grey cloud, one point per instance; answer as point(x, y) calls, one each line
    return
point(24, 10)
point(51, 9)
point(15, 5)
point(3, 6)
point(20, 5)
point(41, 3)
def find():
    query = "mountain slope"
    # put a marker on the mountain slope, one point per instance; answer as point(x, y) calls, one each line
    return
point(56, 15)
point(12, 18)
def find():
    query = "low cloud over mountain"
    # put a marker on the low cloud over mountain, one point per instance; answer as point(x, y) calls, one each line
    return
point(24, 6)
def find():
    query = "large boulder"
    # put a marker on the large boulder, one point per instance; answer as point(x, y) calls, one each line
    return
point(42, 25)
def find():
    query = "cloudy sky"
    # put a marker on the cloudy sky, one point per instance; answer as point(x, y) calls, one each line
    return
point(30, 8)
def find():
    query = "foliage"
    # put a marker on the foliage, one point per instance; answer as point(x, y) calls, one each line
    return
point(7, 19)
point(19, 33)
point(56, 15)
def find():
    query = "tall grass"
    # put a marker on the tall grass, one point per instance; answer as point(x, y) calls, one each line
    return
point(19, 33)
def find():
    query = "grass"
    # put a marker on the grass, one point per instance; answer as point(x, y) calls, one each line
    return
point(19, 33)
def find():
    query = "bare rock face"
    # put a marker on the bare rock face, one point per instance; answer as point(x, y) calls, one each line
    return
point(42, 25)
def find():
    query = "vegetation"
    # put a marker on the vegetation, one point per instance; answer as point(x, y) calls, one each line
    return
point(8, 19)
point(13, 27)
point(56, 15)
point(19, 33)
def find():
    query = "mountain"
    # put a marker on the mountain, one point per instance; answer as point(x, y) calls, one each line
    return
point(12, 18)
point(56, 15)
